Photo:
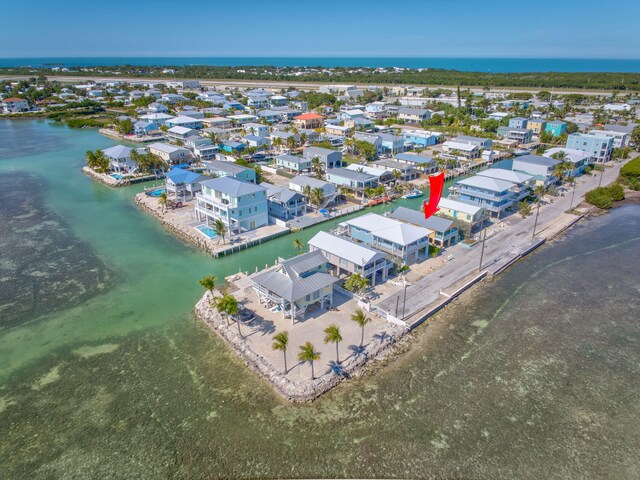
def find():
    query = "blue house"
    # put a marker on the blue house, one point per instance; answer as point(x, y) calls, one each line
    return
point(240, 205)
point(518, 122)
point(421, 137)
point(232, 147)
point(142, 127)
point(183, 184)
point(556, 128)
point(495, 196)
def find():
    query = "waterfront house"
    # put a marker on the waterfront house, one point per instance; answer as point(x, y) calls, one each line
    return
point(171, 154)
point(293, 163)
point(120, 159)
point(519, 135)
point(157, 118)
point(518, 122)
point(156, 107)
point(406, 243)
point(278, 101)
point(300, 182)
point(421, 163)
point(414, 115)
point(498, 116)
point(471, 215)
point(350, 114)
point(329, 158)
point(483, 143)
point(556, 128)
point(15, 105)
point(240, 205)
point(495, 196)
point(217, 168)
point(205, 151)
point(255, 141)
point(578, 158)
point(464, 150)
point(522, 182)
point(143, 127)
point(296, 284)
point(355, 181)
point(382, 175)
point(537, 125)
point(407, 171)
point(242, 119)
point(218, 122)
point(370, 138)
point(308, 121)
point(421, 138)
point(347, 257)
point(183, 184)
point(180, 134)
point(284, 203)
point(445, 233)
point(186, 122)
point(540, 167)
point(230, 146)
point(360, 124)
point(391, 143)
point(598, 147)
point(270, 116)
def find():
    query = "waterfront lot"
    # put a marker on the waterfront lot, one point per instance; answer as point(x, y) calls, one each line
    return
point(259, 332)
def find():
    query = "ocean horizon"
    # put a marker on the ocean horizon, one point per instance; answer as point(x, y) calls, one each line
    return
point(496, 65)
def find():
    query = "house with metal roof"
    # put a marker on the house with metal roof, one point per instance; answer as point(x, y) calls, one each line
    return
point(405, 242)
point(578, 158)
point(300, 182)
point(354, 180)
point(329, 158)
point(296, 284)
point(293, 163)
point(540, 167)
point(445, 232)
point(464, 213)
point(407, 170)
point(422, 163)
point(519, 135)
point(284, 203)
point(523, 182)
point(347, 257)
point(495, 196)
point(382, 175)
point(477, 141)
point(179, 134)
point(459, 149)
point(187, 122)
point(120, 159)
point(183, 184)
point(414, 115)
point(217, 168)
point(170, 154)
point(240, 205)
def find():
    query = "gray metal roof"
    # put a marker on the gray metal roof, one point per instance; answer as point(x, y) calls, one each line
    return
point(350, 174)
point(233, 187)
point(418, 159)
point(415, 217)
point(292, 159)
point(288, 280)
point(227, 167)
point(538, 160)
point(280, 194)
point(343, 248)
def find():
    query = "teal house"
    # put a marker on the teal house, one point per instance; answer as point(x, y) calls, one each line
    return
point(556, 128)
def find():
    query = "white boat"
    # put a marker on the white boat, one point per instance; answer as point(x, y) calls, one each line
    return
point(414, 194)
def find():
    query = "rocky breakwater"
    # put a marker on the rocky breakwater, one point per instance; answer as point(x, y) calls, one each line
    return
point(377, 349)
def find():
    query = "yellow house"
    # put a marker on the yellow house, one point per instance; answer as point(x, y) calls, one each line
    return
point(537, 125)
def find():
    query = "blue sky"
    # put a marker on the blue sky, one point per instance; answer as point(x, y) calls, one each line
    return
point(429, 28)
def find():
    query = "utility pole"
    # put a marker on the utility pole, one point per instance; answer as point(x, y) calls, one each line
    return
point(535, 223)
point(601, 175)
point(404, 300)
point(484, 237)
point(573, 192)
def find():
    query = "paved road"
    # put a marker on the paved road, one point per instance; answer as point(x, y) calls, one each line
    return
point(513, 237)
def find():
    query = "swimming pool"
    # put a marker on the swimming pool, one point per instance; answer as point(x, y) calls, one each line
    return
point(117, 176)
point(207, 231)
point(157, 192)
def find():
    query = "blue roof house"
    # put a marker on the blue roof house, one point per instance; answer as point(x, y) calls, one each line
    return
point(183, 184)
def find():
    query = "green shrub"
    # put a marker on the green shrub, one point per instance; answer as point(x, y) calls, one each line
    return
point(631, 170)
point(616, 192)
point(599, 197)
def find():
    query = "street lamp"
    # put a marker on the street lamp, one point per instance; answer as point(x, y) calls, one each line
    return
point(573, 192)
point(484, 237)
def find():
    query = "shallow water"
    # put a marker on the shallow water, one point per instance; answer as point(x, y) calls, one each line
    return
point(536, 378)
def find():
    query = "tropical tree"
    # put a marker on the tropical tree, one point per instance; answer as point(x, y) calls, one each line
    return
point(361, 319)
point(298, 245)
point(220, 229)
point(291, 143)
point(524, 209)
point(277, 143)
point(397, 175)
point(356, 283)
point(163, 200)
point(233, 309)
point(306, 191)
point(303, 138)
point(220, 304)
point(214, 138)
point(317, 197)
point(309, 354)
point(316, 166)
point(280, 342)
point(332, 335)
point(208, 282)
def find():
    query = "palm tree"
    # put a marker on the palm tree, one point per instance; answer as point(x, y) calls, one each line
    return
point(232, 308)
point(220, 304)
point(91, 158)
point(317, 196)
point(361, 319)
point(308, 353)
point(539, 192)
point(214, 138)
point(298, 245)
point(277, 143)
point(332, 335)
point(220, 229)
point(291, 143)
point(306, 191)
point(316, 166)
point(163, 200)
point(356, 283)
point(397, 175)
point(208, 282)
point(281, 340)
point(303, 138)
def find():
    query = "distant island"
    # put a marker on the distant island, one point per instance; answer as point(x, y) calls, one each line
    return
point(628, 81)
